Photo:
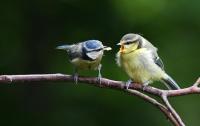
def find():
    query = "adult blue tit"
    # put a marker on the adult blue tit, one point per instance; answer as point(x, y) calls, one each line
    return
point(139, 58)
point(85, 55)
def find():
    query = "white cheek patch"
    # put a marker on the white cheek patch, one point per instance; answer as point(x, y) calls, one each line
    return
point(94, 55)
point(133, 46)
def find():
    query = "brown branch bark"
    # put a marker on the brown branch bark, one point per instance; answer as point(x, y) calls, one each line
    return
point(134, 89)
point(172, 110)
point(160, 106)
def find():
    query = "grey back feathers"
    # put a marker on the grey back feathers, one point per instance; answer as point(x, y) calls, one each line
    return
point(74, 50)
point(148, 45)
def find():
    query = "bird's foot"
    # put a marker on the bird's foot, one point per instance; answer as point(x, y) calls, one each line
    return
point(99, 74)
point(75, 76)
point(145, 85)
point(128, 83)
point(99, 79)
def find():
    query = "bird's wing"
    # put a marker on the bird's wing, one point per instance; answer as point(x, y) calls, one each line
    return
point(75, 51)
point(159, 62)
point(71, 50)
point(154, 50)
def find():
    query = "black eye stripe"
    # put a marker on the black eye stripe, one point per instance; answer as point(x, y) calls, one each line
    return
point(96, 50)
point(129, 42)
point(99, 49)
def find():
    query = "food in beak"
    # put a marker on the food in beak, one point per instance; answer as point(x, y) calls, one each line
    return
point(107, 48)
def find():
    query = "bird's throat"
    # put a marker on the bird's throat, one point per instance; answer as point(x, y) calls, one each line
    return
point(130, 49)
point(121, 49)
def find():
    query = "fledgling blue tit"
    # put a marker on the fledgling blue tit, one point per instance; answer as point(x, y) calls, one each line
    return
point(86, 55)
point(139, 58)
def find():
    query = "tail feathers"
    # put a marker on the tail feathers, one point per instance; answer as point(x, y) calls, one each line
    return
point(170, 83)
point(64, 47)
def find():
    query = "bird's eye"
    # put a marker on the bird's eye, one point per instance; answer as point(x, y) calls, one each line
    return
point(97, 50)
point(100, 49)
point(127, 43)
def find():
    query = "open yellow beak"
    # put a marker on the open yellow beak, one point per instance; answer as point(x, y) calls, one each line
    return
point(121, 47)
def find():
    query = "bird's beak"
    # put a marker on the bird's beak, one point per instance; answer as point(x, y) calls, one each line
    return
point(121, 43)
point(107, 48)
point(121, 49)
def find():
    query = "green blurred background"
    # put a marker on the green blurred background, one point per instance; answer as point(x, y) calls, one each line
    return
point(30, 31)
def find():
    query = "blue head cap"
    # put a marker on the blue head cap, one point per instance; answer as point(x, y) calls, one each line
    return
point(92, 49)
point(91, 45)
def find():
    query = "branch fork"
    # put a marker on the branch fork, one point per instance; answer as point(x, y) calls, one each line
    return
point(134, 89)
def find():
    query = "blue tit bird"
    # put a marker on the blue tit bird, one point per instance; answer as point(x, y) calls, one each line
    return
point(85, 55)
point(139, 58)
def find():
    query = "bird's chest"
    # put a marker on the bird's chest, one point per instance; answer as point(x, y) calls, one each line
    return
point(131, 62)
point(136, 64)
point(86, 64)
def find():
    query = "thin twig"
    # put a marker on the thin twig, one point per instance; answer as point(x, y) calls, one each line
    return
point(160, 106)
point(196, 84)
point(171, 109)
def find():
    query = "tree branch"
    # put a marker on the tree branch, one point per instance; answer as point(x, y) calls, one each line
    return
point(171, 109)
point(160, 106)
point(134, 89)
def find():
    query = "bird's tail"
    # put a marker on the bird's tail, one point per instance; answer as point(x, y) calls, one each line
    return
point(170, 83)
point(64, 47)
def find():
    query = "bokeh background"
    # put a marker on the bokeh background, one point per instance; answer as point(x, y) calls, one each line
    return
point(30, 31)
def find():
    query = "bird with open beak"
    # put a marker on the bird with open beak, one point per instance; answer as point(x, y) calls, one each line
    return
point(139, 59)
